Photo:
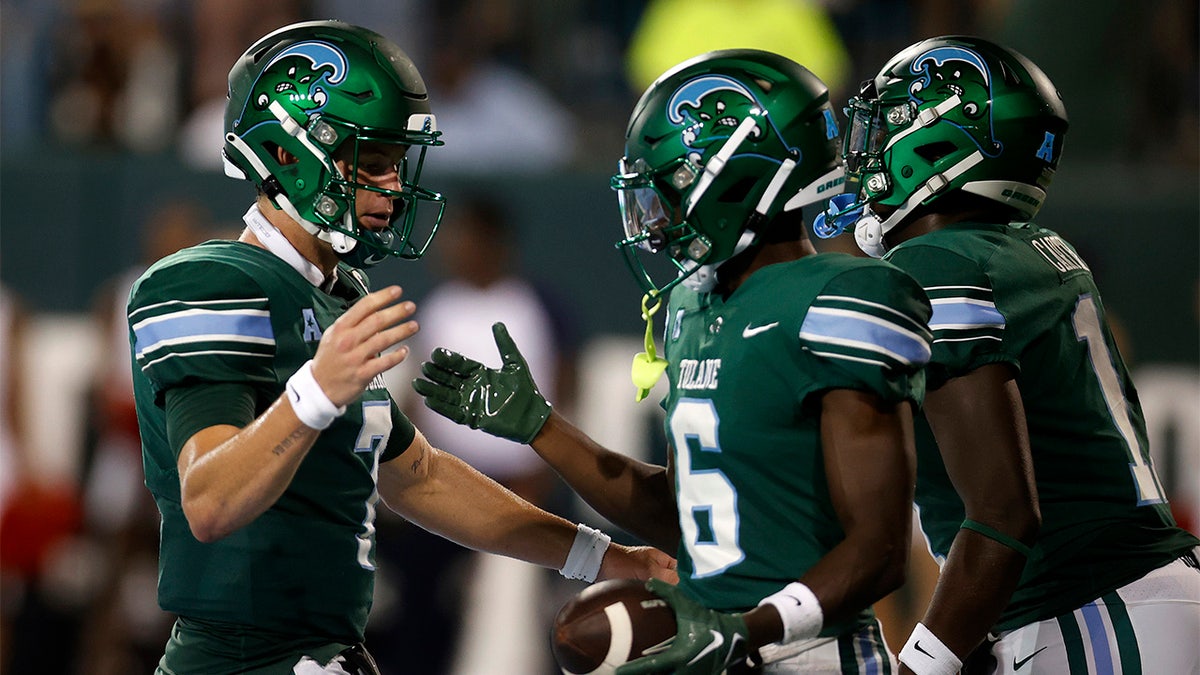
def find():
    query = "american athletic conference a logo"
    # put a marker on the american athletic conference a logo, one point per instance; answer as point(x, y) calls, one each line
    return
point(710, 108)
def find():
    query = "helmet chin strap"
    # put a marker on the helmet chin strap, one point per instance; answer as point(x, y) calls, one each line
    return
point(704, 278)
point(341, 242)
point(714, 166)
point(870, 230)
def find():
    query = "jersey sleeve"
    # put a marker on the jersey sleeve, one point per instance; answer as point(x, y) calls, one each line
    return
point(200, 322)
point(403, 433)
point(968, 328)
point(867, 330)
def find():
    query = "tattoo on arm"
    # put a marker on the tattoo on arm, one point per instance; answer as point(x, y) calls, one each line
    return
point(416, 463)
point(290, 442)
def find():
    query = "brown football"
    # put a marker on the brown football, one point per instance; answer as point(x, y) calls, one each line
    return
point(610, 623)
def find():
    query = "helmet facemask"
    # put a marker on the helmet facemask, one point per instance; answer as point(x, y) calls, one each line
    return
point(410, 228)
point(653, 225)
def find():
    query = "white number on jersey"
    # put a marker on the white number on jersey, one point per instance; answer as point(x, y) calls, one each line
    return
point(1087, 328)
point(708, 513)
point(372, 438)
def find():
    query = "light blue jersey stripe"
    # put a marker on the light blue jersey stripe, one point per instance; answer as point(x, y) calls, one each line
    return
point(964, 313)
point(203, 325)
point(849, 328)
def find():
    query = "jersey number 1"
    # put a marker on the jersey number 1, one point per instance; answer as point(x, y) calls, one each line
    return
point(1087, 329)
point(708, 510)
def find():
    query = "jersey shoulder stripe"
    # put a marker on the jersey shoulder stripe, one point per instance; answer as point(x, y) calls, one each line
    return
point(843, 327)
point(188, 326)
point(185, 329)
point(964, 313)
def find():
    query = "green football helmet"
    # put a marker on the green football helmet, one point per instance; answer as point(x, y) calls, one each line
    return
point(716, 148)
point(311, 88)
point(945, 114)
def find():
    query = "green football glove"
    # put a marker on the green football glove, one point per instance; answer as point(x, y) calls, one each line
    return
point(504, 402)
point(706, 642)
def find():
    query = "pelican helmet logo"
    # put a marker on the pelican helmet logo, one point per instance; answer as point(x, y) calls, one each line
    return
point(943, 72)
point(710, 108)
point(298, 76)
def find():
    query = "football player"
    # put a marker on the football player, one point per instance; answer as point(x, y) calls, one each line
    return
point(1043, 508)
point(268, 435)
point(792, 380)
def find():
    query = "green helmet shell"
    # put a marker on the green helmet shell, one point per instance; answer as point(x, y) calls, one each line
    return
point(954, 113)
point(717, 146)
point(309, 88)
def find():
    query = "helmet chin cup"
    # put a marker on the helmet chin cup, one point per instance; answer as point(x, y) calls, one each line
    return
point(703, 280)
point(342, 244)
point(868, 234)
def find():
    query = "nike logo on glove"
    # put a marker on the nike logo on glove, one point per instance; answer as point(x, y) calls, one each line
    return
point(751, 331)
point(1018, 664)
point(713, 646)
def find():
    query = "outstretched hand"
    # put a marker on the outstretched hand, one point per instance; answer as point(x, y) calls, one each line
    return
point(355, 349)
point(503, 402)
point(706, 641)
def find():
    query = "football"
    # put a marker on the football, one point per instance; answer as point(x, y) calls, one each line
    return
point(610, 623)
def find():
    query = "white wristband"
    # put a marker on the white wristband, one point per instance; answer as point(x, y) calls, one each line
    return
point(583, 562)
point(799, 609)
point(309, 401)
point(924, 654)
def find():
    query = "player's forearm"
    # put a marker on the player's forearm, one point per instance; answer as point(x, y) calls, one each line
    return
point(448, 497)
point(859, 571)
point(973, 588)
point(230, 476)
point(634, 495)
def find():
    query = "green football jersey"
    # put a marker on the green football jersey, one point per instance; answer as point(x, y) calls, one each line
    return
point(228, 313)
point(1019, 294)
point(743, 413)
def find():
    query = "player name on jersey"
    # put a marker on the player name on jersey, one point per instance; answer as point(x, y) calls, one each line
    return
point(695, 374)
point(1058, 253)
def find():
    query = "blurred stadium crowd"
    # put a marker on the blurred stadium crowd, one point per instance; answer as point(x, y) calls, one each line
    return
point(147, 76)
point(521, 86)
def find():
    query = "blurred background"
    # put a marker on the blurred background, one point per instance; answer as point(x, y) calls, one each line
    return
point(110, 134)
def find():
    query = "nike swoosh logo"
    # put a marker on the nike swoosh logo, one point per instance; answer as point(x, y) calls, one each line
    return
point(751, 331)
point(1018, 664)
point(713, 646)
point(917, 646)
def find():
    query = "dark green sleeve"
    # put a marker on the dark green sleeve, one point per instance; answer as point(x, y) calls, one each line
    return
point(190, 409)
point(403, 433)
